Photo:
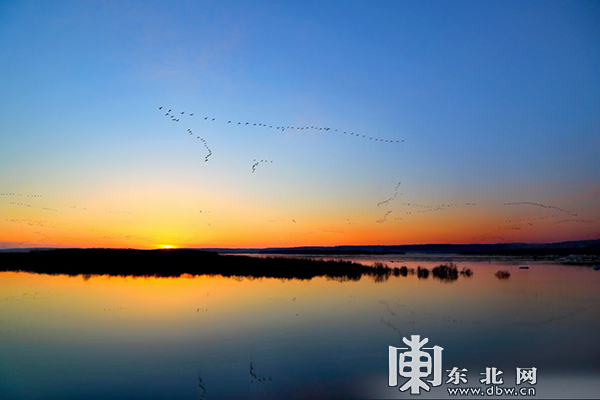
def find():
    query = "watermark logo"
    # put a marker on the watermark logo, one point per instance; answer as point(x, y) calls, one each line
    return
point(492, 376)
point(527, 375)
point(456, 376)
point(415, 364)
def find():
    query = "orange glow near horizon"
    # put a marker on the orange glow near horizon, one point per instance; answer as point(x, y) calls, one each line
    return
point(140, 218)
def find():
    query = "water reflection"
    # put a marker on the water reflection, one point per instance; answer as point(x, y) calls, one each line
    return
point(224, 337)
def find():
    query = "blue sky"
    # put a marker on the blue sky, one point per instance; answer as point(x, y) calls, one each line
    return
point(496, 102)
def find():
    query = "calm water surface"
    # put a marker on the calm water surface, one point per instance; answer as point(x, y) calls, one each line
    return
point(152, 338)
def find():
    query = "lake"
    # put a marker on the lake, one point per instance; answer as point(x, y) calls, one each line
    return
point(213, 337)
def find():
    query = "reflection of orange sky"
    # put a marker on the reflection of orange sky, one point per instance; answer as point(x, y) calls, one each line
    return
point(114, 321)
point(167, 220)
point(101, 303)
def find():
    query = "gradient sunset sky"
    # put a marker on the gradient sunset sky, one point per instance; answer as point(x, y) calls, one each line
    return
point(496, 102)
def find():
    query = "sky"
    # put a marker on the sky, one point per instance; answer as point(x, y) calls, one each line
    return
point(481, 123)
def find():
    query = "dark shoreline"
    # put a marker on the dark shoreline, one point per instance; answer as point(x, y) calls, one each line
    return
point(570, 247)
point(173, 263)
point(333, 252)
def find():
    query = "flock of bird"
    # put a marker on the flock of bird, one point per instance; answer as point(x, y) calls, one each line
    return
point(176, 118)
point(14, 203)
point(35, 223)
point(424, 208)
point(528, 203)
point(20, 195)
point(71, 207)
point(54, 224)
point(513, 224)
point(203, 142)
point(393, 197)
point(510, 227)
point(256, 163)
point(517, 223)
point(531, 219)
point(255, 377)
point(384, 218)
point(203, 394)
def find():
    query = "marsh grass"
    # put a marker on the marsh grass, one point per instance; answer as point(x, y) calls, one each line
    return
point(446, 272)
point(422, 273)
point(502, 274)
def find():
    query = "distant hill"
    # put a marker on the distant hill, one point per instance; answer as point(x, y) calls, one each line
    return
point(559, 248)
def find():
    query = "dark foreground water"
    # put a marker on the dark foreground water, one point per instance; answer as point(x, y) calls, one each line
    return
point(212, 337)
